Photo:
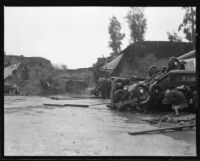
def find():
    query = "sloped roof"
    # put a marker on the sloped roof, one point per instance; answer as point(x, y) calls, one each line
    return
point(191, 54)
point(112, 64)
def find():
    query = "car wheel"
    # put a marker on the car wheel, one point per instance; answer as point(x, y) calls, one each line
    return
point(142, 93)
point(155, 91)
point(118, 94)
point(173, 63)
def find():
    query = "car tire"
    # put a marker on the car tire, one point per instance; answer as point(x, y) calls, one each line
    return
point(155, 91)
point(118, 94)
point(142, 93)
point(173, 63)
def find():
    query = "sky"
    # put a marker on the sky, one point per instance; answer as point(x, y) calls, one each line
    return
point(77, 36)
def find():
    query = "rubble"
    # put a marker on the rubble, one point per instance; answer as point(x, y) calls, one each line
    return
point(170, 119)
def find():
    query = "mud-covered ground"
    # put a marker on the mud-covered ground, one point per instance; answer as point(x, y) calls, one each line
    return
point(32, 128)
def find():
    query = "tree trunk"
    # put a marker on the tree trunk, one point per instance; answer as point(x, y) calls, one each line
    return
point(193, 31)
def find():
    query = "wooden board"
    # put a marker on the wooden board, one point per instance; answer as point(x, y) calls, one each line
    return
point(73, 105)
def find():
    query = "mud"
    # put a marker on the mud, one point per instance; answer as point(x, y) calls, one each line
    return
point(33, 129)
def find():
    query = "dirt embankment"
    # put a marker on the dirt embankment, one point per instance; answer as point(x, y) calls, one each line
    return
point(37, 76)
point(138, 57)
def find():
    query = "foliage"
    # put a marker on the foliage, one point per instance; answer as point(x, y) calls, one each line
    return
point(64, 66)
point(173, 37)
point(115, 35)
point(60, 67)
point(137, 23)
point(188, 25)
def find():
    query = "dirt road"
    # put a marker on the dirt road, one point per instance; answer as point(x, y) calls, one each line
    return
point(34, 129)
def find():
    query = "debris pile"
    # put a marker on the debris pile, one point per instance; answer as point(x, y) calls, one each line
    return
point(171, 119)
point(37, 76)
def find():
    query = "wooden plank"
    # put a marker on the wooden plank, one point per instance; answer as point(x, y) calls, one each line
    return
point(99, 104)
point(67, 98)
point(73, 105)
point(47, 104)
point(76, 105)
point(161, 129)
point(89, 97)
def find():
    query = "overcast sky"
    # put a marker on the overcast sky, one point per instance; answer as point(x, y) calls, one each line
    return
point(77, 36)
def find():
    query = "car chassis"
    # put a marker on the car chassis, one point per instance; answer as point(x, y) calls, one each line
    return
point(126, 94)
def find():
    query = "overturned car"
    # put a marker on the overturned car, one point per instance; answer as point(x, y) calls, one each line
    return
point(178, 75)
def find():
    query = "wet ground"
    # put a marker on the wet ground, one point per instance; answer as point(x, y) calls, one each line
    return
point(34, 129)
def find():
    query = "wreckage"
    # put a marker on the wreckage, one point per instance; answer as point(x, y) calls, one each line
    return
point(103, 88)
point(180, 74)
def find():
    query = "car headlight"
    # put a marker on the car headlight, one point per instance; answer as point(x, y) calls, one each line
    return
point(141, 91)
point(125, 88)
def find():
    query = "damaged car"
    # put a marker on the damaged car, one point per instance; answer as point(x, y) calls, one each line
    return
point(179, 74)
